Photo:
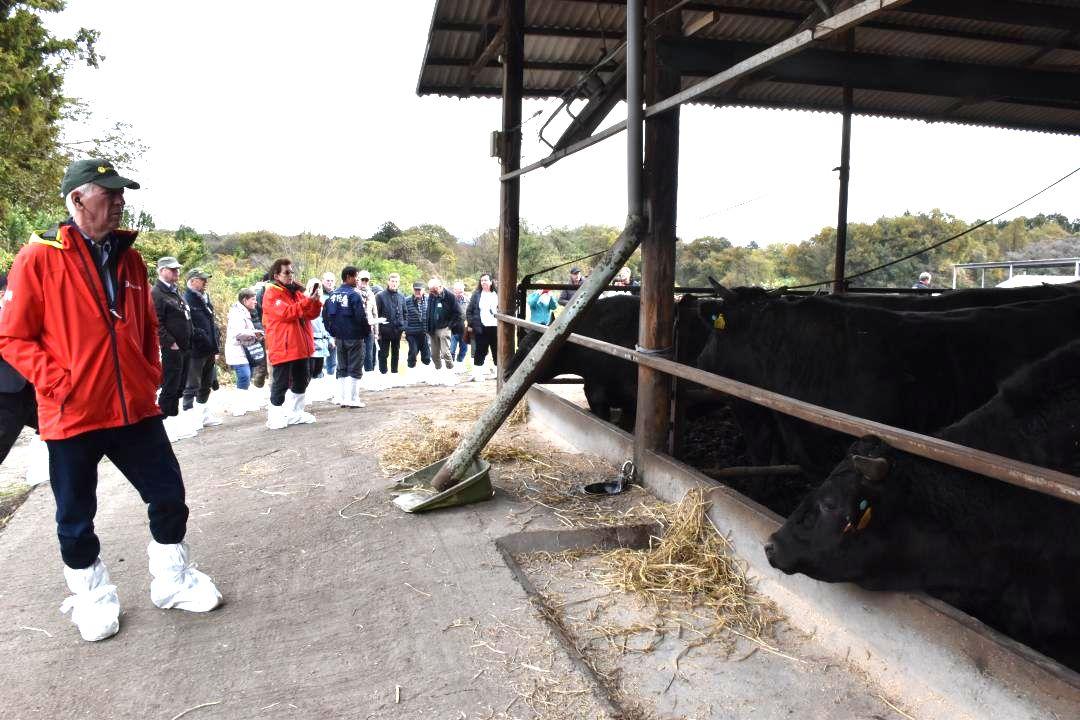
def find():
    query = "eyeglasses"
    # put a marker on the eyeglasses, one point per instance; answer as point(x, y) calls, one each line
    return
point(286, 272)
point(364, 279)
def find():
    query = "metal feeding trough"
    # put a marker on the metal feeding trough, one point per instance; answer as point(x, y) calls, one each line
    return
point(414, 492)
point(615, 485)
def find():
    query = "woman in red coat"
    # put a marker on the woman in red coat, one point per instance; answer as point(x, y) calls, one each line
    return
point(287, 316)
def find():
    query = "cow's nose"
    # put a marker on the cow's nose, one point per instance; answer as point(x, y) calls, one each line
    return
point(770, 550)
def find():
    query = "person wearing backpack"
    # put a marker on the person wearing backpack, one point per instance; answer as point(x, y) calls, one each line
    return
point(346, 319)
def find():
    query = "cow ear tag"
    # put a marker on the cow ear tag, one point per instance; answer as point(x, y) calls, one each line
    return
point(864, 519)
point(718, 321)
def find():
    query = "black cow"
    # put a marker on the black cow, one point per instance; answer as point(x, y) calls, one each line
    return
point(919, 371)
point(952, 300)
point(610, 382)
point(888, 520)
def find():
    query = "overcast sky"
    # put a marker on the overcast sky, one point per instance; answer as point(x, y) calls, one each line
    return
point(294, 117)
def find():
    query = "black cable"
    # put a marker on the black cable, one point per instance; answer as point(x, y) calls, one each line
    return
point(556, 267)
point(942, 242)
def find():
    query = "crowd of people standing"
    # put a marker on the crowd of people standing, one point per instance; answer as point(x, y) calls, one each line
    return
point(347, 334)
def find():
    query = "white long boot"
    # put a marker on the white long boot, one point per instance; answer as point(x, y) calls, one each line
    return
point(255, 398)
point(296, 414)
point(237, 402)
point(176, 583)
point(277, 417)
point(208, 418)
point(341, 397)
point(37, 467)
point(178, 428)
point(94, 607)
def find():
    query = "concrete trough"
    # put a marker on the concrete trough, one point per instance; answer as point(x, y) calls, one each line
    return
point(940, 661)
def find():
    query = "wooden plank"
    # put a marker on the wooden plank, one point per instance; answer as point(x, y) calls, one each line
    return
point(1049, 482)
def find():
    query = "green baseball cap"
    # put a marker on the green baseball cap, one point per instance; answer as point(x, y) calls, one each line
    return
point(95, 170)
point(197, 273)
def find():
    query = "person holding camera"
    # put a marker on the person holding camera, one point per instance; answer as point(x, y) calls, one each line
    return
point(346, 319)
point(287, 315)
point(243, 350)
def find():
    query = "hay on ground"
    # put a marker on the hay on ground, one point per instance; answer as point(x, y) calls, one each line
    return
point(691, 565)
point(427, 442)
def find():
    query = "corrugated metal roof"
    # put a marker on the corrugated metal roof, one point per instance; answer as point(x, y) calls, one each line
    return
point(969, 40)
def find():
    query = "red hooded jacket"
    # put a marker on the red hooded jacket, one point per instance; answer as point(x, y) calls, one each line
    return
point(287, 316)
point(91, 368)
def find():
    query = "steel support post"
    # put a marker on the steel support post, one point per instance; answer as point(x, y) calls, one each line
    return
point(510, 190)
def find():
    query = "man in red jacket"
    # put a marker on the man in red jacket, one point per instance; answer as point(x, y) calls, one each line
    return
point(79, 324)
point(287, 315)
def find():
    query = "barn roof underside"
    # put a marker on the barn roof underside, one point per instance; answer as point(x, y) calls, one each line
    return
point(1008, 63)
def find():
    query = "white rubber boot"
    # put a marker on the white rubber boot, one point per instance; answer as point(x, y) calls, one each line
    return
point(37, 466)
point(277, 417)
point(94, 607)
point(178, 428)
point(295, 410)
point(176, 583)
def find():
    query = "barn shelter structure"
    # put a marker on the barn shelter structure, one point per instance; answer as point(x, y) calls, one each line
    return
point(1004, 63)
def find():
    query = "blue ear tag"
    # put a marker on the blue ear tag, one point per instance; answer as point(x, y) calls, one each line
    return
point(863, 505)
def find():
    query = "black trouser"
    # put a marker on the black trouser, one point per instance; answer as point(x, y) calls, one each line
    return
point(17, 410)
point(315, 366)
point(200, 378)
point(174, 377)
point(389, 342)
point(350, 358)
point(143, 454)
point(418, 343)
point(481, 342)
point(292, 375)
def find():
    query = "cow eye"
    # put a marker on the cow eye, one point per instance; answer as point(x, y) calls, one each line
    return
point(829, 504)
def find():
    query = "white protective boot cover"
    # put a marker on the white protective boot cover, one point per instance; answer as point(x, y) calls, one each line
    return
point(479, 374)
point(344, 393)
point(296, 414)
point(175, 583)
point(238, 402)
point(354, 393)
point(255, 397)
point(178, 428)
point(277, 416)
point(193, 417)
point(94, 607)
point(208, 418)
point(37, 466)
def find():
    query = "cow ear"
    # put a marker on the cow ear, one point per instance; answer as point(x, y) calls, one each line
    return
point(873, 469)
point(720, 290)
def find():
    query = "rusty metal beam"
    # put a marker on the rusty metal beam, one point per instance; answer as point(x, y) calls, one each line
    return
point(1044, 480)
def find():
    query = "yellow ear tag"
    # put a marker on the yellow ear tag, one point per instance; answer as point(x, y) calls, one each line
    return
point(718, 322)
point(864, 520)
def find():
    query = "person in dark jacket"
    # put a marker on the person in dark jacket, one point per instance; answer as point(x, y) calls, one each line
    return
point(459, 345)
point(391, 306)
point(345, 318)
point(576, 278)
point(415, 311)
point(174, 336)
point(483, 305)
point(443, 319)
point(18, 406)
point(205, 346)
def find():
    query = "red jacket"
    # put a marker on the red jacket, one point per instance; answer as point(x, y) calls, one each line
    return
point(90, 368)
point(287, 316)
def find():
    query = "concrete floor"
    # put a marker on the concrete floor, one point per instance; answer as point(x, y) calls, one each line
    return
point(338, 604)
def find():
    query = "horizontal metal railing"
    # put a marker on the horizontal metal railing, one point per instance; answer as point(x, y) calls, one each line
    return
point(1031, 477)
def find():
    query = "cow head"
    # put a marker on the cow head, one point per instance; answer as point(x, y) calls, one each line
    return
point(839, 532)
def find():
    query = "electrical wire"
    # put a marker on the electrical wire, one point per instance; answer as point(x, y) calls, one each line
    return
point(938, 244)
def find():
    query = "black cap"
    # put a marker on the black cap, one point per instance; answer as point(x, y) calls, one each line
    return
point(418, 285)
point(100, 172)
point(575, 270)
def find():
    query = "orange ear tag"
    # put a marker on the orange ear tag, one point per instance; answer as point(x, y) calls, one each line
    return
point(864, 520)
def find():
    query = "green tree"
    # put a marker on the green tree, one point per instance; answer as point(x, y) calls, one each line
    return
point(387, 231)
